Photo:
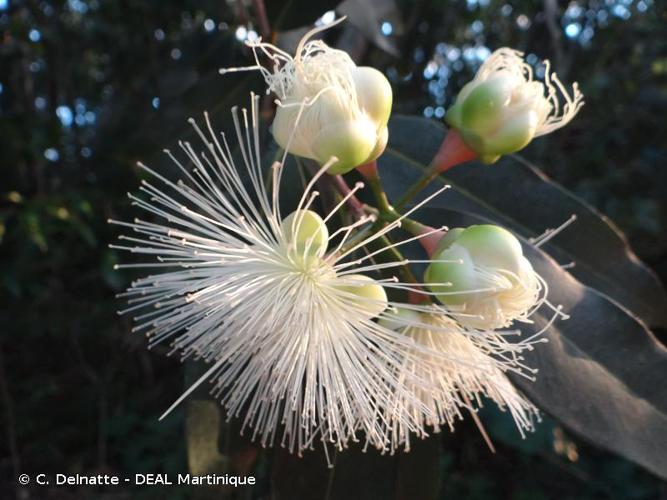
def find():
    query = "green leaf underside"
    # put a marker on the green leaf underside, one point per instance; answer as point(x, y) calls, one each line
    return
point(598, 372)
point(519, 196)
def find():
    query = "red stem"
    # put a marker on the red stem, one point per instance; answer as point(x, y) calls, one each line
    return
point(453, 151)
point(369, 170)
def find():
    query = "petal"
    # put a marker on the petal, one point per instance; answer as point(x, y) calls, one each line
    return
point(373, 94)
point(350, 141)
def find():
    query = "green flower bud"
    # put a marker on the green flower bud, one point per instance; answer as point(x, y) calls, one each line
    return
point(328, 106)
point(374, 94)
point(502, 109)
point(491, 246)
point(452, 280)
point(307, 231)
point(449, 238)
point(371, 296)
point(482, 110)
point(380, 145)
point(486, 277)
point(352, 142)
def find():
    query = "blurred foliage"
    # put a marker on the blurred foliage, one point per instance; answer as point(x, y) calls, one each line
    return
point(89, 87)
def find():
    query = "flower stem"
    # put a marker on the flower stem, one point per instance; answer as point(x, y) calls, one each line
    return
point(263, 21)
point(406, 274)
point(410, 225)
point(385, 214)
point(370, 172)
point(453, 151)
point(426, 178)
point(397, 256)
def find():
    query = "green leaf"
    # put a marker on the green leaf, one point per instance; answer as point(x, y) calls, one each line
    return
point(599, 374)
point(519, 196)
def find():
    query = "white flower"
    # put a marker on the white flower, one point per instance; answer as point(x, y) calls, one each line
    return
point(277, 306)
point(503, 108)
point(471, 364)
point(327, 105)
point(482, 276)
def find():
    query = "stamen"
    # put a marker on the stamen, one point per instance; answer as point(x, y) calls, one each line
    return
point(548, 234)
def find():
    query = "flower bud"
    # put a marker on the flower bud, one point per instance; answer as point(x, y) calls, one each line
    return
point(352, 142)
point(328, 107)
point(481, 274)
point(449, 238)
point(502, 109)
point(370, 295)
point(373, 93)
point(307, 231)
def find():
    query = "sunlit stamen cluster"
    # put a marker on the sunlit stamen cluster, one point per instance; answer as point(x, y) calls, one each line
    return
point(287, 330)
point(470, 364)
point(503, 297)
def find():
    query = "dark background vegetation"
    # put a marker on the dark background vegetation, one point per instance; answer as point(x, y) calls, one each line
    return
point(88, 87)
